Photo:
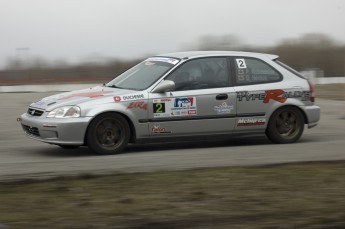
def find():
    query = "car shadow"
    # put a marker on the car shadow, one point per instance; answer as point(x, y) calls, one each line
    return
point(194, 144)
point(55, 151)
point(231, 141)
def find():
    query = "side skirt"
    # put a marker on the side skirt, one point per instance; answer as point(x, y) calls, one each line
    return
point(162, 139)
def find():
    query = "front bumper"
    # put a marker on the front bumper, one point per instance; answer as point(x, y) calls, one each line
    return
point(64, 131)
point(313, 115)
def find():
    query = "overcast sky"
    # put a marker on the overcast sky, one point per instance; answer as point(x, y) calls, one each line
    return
point(76, 30)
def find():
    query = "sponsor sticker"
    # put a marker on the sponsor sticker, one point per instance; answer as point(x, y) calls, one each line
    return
point(128, 97)
point(117, 99)
point(163, 59)
point(159, 130)
point(137, 105)
point(277, 95)
point(224, 108)
point(251, 121)
point(92, 95)
point(241, 63)
point(148, 63)
point(181, 106)
point(132, 97)
point(184, 102)
point(191, 112)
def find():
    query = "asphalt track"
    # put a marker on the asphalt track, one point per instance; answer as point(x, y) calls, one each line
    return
point(23, 158)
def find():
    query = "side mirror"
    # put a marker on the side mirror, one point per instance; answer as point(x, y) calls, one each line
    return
point(164, 86)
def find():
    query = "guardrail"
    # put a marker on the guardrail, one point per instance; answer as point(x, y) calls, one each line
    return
point(71, 87)
point(328, 80)
point(45, 88)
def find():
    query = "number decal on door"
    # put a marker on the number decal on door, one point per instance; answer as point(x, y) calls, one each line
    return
point(159, 108)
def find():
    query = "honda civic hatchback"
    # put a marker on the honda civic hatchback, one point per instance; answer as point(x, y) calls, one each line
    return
point(177, 96)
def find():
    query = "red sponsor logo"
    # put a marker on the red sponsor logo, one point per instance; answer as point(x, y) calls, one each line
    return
point(277, 95)
point(157, 129)
point(117, 99)
point(192, 112)
point(138, 105)
point(87, 94)
point(274, 95)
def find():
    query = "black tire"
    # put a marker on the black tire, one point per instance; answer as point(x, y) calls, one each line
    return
point(108, 134)
point(69, 146)
point(286, 125)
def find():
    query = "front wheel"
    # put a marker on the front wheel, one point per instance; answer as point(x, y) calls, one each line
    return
point(108, 134)
point(286, 125)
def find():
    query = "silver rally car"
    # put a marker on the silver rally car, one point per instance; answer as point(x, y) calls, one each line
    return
point(177, 96)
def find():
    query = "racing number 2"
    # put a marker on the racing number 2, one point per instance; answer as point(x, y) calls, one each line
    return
point(241, 63)
point(159, 108)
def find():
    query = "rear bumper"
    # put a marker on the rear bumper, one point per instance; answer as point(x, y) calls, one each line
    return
point(312, 114)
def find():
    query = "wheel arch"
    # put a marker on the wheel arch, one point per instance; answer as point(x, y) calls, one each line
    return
point(305, 118)
point(129, 121)
point(288, 131)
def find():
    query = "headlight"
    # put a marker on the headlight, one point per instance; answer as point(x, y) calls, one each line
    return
point(65, 112)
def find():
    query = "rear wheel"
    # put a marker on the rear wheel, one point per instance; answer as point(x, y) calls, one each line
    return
point(286, 125)
point(108, 134)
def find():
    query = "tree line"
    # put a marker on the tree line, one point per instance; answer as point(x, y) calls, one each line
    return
point(309, 51)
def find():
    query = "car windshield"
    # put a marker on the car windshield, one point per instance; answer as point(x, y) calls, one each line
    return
point(143, 75)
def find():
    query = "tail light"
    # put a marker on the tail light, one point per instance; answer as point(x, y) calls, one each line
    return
point(312, 91)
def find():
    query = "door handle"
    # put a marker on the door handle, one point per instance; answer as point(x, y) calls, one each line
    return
point(222, 97)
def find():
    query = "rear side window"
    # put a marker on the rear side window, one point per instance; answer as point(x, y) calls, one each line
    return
point(293, 71)
point(254, 71)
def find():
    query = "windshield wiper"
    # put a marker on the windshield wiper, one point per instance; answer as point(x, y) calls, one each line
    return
point(127, 88)
point(114, 86)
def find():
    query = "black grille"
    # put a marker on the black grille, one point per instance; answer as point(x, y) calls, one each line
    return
point(34, 112)
point(31, 130)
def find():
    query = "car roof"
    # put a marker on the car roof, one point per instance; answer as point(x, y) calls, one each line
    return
point(198, 54)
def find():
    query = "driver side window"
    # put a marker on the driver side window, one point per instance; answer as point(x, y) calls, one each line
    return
point(201, 74)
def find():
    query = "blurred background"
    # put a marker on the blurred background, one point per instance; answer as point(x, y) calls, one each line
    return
point(64, 41)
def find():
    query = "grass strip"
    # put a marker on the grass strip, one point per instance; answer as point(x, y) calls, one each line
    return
point(307, 195)
point(330, 91)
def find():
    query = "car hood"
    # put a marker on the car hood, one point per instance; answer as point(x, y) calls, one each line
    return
point(85, 95)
